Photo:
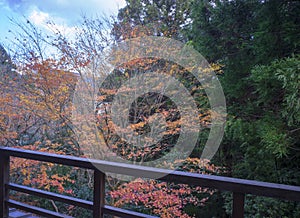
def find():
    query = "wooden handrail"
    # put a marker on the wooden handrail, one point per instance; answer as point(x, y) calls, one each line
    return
point(239, 187)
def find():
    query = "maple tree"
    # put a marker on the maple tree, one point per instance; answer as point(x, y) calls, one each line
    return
point(145, 107)
point(41, 103)
point(9, 116)
point(42, 99)
point(162, 198)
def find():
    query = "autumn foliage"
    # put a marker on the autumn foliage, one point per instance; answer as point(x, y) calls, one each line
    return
point(36, 114)
point(165, 199)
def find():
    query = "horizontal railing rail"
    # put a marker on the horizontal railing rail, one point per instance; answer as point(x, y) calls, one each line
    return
point(239, 187)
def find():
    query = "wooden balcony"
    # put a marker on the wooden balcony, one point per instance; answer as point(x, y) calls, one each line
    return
point(239, 187)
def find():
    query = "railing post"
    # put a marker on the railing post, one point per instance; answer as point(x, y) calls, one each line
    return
point(4, 179)
point(238, 205)
point(99, 194)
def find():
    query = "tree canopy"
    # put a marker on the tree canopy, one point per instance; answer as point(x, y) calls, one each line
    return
point(253, 46)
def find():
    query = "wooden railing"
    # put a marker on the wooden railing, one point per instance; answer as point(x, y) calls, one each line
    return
point(239, 187)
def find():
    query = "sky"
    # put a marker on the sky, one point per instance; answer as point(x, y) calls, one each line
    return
point(65, 13)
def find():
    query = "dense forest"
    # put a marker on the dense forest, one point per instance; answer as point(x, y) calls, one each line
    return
point(251, 45)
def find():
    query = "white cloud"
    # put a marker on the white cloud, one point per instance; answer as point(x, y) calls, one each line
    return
point(66, 14)
point(51, 24)
point(38, 17)
point(70, 10)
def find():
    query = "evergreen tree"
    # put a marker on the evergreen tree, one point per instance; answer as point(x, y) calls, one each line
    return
point(257, 42)
point(160, 18)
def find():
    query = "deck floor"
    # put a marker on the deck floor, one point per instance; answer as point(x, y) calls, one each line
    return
point(14, 213)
